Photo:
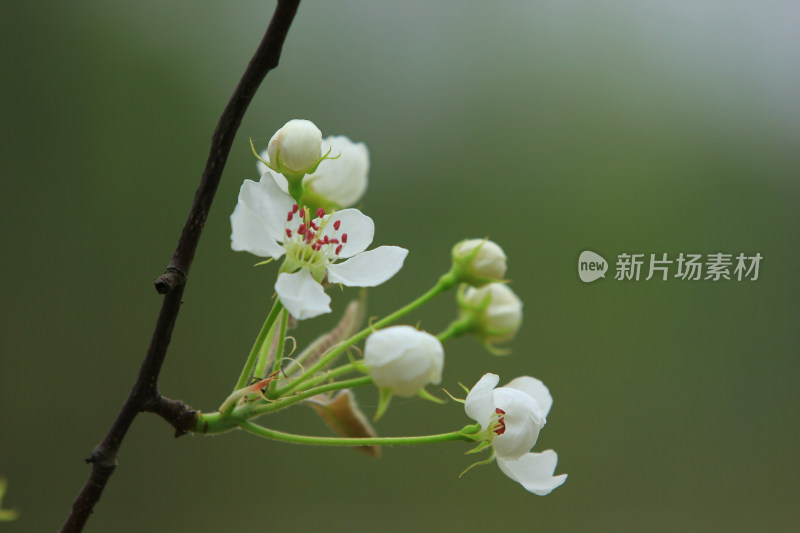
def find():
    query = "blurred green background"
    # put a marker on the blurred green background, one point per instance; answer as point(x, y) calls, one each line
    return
point(552, 127)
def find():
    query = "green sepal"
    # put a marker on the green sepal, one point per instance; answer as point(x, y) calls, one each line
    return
point(459, 400)
point(479, 448)
point(479, 463)
point(6, 515)
point(385, 396)
point(425, 395)
point(494, 350)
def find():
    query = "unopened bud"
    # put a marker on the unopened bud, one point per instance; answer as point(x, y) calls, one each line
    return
point(478, 262)
point(296, 148)
point(495, 312)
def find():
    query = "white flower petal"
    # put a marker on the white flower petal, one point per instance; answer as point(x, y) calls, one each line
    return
point(301, 295)
point(268, 203)
point(479, 404)
point(360, 230)
point(368, 269)
point(523, 419)
point(342, 180)
point(263, 169)
point(249, 234)
point(534, 471)
point(535, 388)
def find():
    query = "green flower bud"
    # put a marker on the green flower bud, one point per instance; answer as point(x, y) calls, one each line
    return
point(494, 312)
point(296, 148)
point(478, 262)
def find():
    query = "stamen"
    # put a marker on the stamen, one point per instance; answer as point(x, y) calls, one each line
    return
point(320, 213)
point(344, 238)
point(313, 225)
point(337, 224)
point(288, 233)
point(295, 207)
point(338, 249)
point(289, 216)
point(302, 229)
point(501, 423)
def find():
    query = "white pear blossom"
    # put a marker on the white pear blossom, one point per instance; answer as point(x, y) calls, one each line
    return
point(339, 182)
point(267, 223)
point(296, 147)
point(479, 261)
point(512, 417)
point(496, 310)
point(403, 359)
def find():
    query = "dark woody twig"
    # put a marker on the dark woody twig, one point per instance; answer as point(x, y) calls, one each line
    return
point(145, 396)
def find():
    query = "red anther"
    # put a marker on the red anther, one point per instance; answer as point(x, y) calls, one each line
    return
point(332, 241)
point(338, 249)
point(303, 213)
point(320, 213)
point(326, 240)
point(501, 423)
point(337, 224)
point(309, 237)
point(295, 207)
point(289, 216)
point(302, 229)
point(313, 225)
point(344, 238)
point(288, 233)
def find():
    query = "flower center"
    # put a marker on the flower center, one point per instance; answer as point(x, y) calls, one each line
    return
point(305, 244)
point(500, 426)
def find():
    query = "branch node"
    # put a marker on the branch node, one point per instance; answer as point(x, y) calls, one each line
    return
point(171, 278)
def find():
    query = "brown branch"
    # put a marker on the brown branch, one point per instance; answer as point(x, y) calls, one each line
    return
point(145, 396)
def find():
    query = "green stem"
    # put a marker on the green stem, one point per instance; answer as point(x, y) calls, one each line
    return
point(331, 374)
point(336, 441)
point(257, 409)
point(263, 354)
point(276, 366)
point(457, 328)
point(251, 359)
point(218, 422)
point(446, 282)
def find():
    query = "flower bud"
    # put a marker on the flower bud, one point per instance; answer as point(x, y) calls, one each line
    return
point(495, 312)
point(403, 360)
point(339, 181)
point(478, 262)
point(296, 148)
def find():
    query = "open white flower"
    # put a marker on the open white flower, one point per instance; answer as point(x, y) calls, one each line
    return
point(267, 223)
point(512, 416)
point(339, 182)
point(403, 359)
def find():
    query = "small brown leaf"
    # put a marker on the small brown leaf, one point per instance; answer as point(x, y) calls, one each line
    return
point(342, 414)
